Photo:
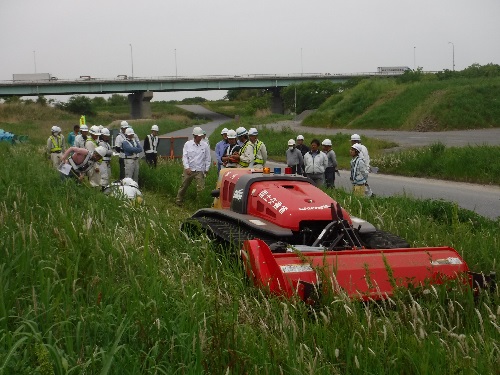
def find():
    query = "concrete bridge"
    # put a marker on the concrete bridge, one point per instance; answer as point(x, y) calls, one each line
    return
point(141, 90)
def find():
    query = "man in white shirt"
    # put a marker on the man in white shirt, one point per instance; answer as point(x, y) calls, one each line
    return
point(196, 160)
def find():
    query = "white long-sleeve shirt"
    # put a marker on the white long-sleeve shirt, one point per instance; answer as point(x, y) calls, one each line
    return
point(196, 157)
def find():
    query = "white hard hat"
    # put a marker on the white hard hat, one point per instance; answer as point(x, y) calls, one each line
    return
point(291, 142)
point(105, 131)
point(100, 127)
point(355, 137)
point(357, 147)
point(124, 124)
point(101, 150)
point(253, 131)
point(84, 128)
point(241, 131)
point(300, 137)
point(127, 181)
point(231, 134)
point(326, 142)
point(54, 129)
point(129, 131)
point(224, 131)
point(198, 131)
point(59, 129)
point(94, 129)
point(155, 128)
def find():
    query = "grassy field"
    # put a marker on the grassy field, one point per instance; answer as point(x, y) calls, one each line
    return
point(90, 284)
point(427, 105)
point(478, 164)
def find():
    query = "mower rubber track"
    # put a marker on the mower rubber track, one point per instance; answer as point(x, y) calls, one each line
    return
point(225, 231)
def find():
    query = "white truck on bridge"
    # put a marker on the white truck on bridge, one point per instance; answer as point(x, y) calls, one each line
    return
point(33, 77)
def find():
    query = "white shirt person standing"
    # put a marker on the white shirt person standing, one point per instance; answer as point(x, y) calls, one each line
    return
point(196, 160)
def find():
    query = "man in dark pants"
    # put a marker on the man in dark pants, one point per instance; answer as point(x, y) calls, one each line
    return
point(332, 163)
point(304, 150)
point(150, 146)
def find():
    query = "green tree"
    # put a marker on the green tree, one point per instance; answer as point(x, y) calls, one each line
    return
point(310, 95)
point(41, 100)
point(80, 105)
point(117, 100)
point(99, 102)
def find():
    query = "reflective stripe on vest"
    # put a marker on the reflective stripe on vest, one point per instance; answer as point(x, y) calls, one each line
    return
point(153, 144)
point(56, 144)
point(84, 166)
point(256, 149)
point(243, 163)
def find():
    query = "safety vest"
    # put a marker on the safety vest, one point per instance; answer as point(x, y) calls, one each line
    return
point(94, 141)
point(229, 151)
point(153, 144)
point(56, 143)
point(82, 167)
point(107, 146)
point(256, 149)
point(242, 151)
point(132, 143)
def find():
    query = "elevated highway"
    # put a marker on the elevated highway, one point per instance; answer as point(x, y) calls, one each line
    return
point(141, 89)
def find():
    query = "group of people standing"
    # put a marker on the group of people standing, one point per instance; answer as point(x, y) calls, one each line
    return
point(90, 152)
point(321, 165)
point(238, 149)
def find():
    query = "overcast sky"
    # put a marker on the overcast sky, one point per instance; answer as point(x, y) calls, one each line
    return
point(234, 37)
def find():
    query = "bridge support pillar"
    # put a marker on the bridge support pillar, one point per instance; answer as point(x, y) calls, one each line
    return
point(277, 105)
point(140, 104)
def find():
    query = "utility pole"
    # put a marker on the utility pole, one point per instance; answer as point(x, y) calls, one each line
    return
point(414, 58)
point(175, 57)
point(34, 59)
point(453, 54)
point(132, 59)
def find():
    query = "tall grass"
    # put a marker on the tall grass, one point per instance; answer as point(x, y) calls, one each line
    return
point(479, 164)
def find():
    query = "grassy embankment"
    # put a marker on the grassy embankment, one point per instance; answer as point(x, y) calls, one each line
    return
point(92, 285)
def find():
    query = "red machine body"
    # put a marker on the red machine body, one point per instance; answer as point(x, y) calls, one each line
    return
point(293, 238)
point(364, 274)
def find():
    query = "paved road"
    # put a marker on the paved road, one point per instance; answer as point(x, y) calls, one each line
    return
point(482, 199)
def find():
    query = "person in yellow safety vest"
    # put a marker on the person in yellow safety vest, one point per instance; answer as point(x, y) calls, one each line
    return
point(259, 149)
point(55, 146)
point(246, 156)
point(91, 144)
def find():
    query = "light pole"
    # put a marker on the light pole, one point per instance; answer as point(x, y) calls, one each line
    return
point(34, 59)
point(414, 58)
point(175, 57)
point(453, 54)
point(132, 59)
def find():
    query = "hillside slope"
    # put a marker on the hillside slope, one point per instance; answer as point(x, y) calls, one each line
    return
point(382, 103)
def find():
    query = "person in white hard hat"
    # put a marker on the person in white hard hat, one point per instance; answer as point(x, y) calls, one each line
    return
point(294, 158)
point(359, 170)
point(94, 174)
point(259, 149)
point(332, 163)
point(232, 150)
point(126, 189)
point(81, 138)
point(246, 156)
point(315, 163)
point(220, 147)
point(106, 160)
point(73, 134)
point(356, 139)
point(55, 146)
point(196, 160)
point(118, 147)
point(131, 149)
point(80, 162)
point(205, 139)
point(150, 147)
